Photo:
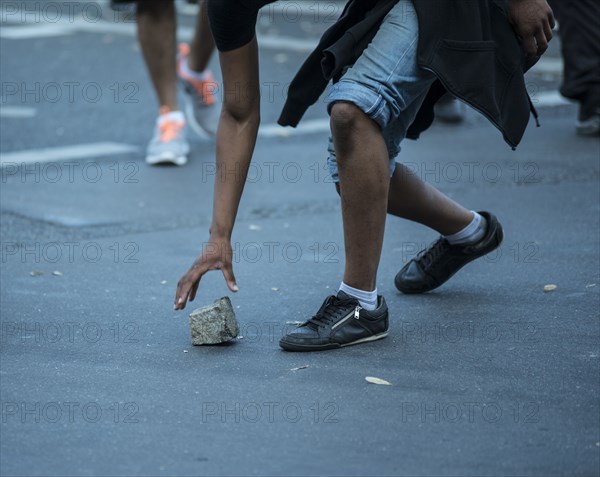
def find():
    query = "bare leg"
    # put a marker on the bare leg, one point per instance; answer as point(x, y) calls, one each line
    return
point(203, 44)
point(156, 33)
point(413, 199)
point(363, 161)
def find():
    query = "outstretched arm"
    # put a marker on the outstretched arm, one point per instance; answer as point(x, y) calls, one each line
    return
point(236, 138)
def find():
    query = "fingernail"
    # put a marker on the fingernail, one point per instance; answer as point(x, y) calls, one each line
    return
point(235, 288)
point(180, 300)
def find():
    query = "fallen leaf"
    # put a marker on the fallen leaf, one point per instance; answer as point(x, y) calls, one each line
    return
point(373, 380)
point(36, 273)
point(299, 367)
point(549, 288)
point(275, 289)
point(56, 273)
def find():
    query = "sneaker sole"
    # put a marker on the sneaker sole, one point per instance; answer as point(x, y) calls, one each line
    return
point(194, 124)
point(166, 159)
point(298, 347)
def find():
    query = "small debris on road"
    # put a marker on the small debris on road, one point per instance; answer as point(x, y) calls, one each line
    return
point(372, 380)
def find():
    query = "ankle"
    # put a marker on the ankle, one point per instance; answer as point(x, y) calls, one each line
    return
point(471, 233)
point(366, 299)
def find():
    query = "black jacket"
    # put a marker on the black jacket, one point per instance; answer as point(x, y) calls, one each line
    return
point(468, 44)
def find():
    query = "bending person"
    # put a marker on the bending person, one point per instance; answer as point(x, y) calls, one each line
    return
point(374, 105)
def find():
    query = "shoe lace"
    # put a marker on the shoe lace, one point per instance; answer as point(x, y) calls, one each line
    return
point(427, 257)
point(331, 312)
point(170, 130)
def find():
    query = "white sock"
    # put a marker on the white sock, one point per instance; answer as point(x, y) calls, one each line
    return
point(472, 233)
point(176, 116)
point(200, 76)
point(367, 299)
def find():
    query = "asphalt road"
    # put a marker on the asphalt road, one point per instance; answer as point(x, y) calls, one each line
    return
point(490, 374)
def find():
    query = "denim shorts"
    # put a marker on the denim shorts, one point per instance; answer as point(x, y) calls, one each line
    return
point(385, 82)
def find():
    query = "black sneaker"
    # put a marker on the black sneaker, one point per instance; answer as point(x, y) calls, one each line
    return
point(433, 266)
point(339, 322)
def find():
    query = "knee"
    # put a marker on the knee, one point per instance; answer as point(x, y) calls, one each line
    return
point(344, 117)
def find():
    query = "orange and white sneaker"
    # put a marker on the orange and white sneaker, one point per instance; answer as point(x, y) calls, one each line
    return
point(169, 144)
point(203, 106)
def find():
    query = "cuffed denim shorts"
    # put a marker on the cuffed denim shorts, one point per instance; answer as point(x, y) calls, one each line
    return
point(385, 82)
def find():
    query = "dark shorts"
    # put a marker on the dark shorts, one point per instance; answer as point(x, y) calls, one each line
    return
point(233, 22)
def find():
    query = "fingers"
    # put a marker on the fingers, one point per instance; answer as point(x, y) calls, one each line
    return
point(551, 20)
point(187, 288)
point(181, 296)
point(530, 45)
point(541, 42)
point(194, 290)
point(548, 31)
point(230, 278)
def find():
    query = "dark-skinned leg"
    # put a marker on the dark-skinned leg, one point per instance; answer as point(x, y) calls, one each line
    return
point(363, 165)
point(156, 25)
point(413, 199)
point(203, 44)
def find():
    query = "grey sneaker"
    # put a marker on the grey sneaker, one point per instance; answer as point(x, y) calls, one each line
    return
point(202, 106)
point(168, 145)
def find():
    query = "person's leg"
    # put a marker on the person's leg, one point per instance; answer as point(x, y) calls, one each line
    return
point(413, 199)
point(156, 25)
point(579, 28)
point(203, 44)
point(156, 32)
point(203, 105)
point(384, 85)
point(363, 167)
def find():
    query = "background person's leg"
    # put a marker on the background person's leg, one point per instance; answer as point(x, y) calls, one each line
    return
point(156, 24)
point(203, 105)
point(157, 36)
point(203, 44)
point(579, 29)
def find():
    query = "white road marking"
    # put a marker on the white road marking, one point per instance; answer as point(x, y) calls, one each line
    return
point(305, 127)
point(34, 31)
point(277, 42)
point(29, 29)
point(80, 151)
point(17, 112)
